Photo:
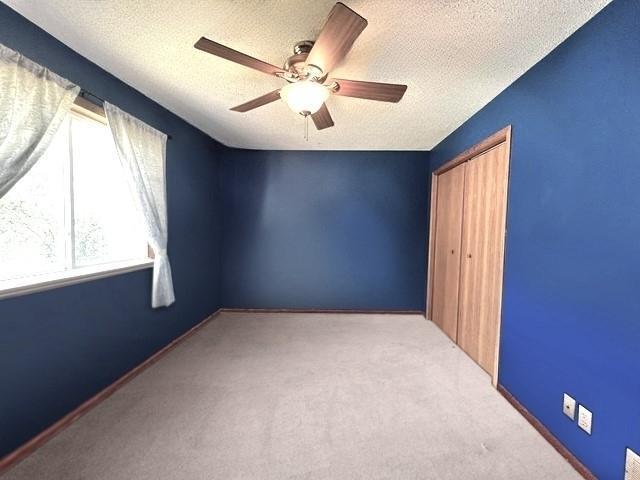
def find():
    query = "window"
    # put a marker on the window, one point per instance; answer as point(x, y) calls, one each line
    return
point(71, 216)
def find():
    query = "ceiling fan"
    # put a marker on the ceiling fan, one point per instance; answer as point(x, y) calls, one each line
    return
point(306, 71)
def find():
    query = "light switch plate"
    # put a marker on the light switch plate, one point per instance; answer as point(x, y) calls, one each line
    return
point(569, 406)
point(632, 466)
point(585, 418)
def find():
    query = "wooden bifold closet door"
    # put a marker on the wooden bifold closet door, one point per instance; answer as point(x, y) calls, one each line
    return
point(469, 206)
point(483, 229)
point(448, 239)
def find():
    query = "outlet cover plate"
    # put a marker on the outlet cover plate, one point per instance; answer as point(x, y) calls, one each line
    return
point(569, 406)
point(632, 466)
point(585, 419)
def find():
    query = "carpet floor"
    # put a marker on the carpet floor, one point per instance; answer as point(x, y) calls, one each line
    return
point(303, 396)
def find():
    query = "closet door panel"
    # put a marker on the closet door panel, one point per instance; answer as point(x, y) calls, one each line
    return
point(483, 234)
point(448, 231)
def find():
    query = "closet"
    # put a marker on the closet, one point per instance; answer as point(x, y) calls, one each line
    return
point(466, 248)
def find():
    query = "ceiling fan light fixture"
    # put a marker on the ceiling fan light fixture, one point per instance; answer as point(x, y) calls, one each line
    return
point(308, 68)
point(304, 97)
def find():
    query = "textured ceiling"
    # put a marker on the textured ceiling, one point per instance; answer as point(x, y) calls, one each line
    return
point(454, 55)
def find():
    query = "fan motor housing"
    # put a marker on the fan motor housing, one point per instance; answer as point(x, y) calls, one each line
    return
point(296, 63)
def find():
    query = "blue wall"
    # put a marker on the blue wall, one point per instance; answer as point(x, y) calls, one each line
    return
point(60, 347)
point(325, 230)
point(571, 307)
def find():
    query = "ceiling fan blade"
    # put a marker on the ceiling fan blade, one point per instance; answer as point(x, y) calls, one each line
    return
point(322, 118)
point(258, 102)
point(227, 53)
point(336, 37)
point(382, 92)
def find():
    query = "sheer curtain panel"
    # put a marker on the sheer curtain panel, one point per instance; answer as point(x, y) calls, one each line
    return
point(33, 103)
point(142, 151)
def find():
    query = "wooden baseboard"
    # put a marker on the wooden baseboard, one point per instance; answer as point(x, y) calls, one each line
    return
point(549, 437)
point(305, 310)
point(24, 450)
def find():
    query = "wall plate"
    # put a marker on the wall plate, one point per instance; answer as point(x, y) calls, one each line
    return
point(569, 406)
point(585, 418)
point(632, 466)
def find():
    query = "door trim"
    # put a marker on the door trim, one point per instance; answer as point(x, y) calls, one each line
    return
point(499, 137)
point(503, 135)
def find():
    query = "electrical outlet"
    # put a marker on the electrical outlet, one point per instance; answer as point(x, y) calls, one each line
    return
point(569, 407)
point(632, 466)
point(585, 418)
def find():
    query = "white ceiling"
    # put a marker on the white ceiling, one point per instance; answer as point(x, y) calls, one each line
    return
point(454, 55)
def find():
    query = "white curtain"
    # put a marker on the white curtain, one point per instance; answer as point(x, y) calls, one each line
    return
point(33, 103)
point(142, 150)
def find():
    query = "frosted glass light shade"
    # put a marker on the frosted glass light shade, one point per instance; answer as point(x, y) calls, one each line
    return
point(305, 96)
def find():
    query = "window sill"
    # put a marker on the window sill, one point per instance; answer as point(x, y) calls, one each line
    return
point(39, 283)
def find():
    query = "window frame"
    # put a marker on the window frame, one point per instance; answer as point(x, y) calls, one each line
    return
point(74, 275)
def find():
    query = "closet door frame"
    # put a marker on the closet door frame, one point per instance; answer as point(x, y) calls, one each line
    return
point(501, 136)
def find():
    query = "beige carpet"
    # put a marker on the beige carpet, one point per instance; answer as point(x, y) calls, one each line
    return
point(313, 396)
